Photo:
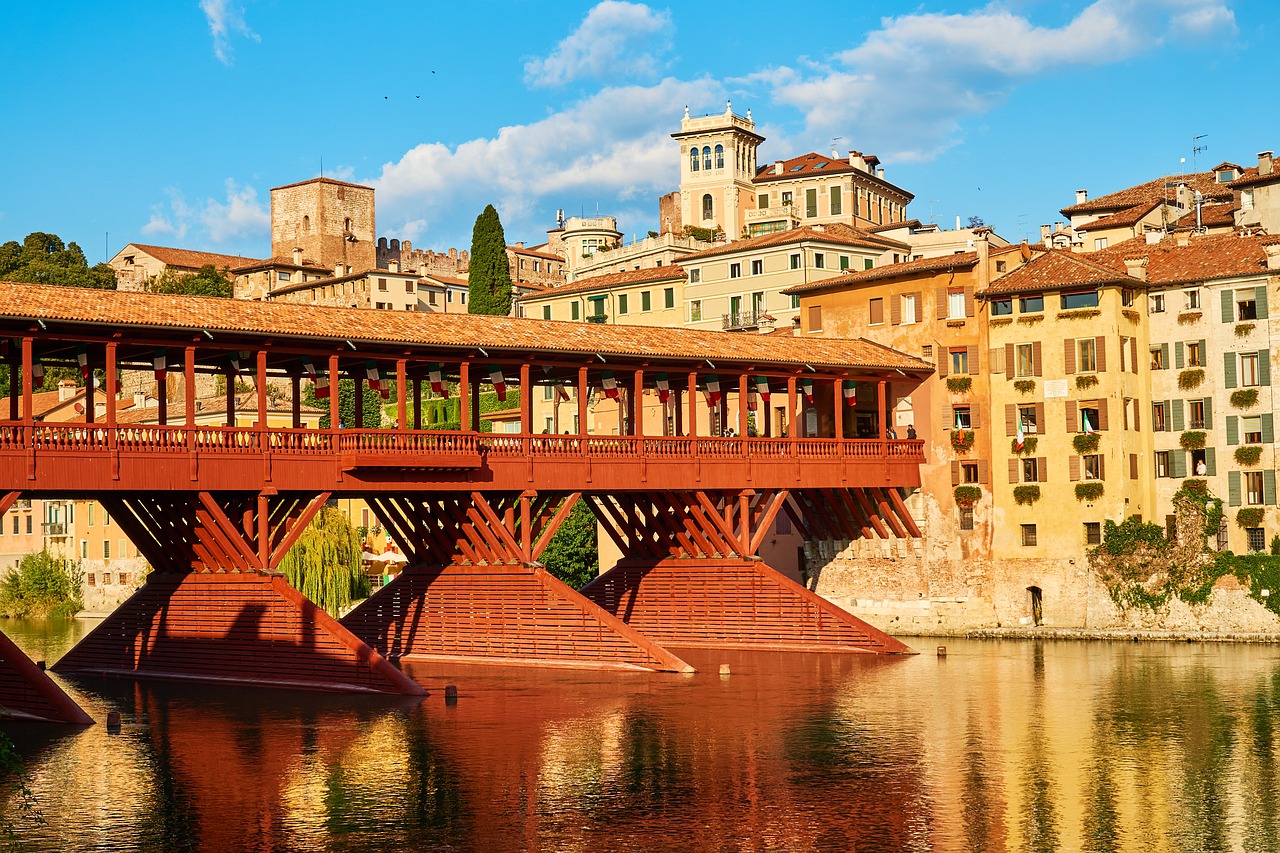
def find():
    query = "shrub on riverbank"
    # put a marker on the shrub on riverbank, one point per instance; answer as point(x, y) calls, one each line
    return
point(42, 585)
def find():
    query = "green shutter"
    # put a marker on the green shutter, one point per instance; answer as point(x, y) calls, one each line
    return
point(1164, 355)
point(1233, 488)
point(1178, 463)
point(1233, 429)
point(1178, 422)
point(1264, 367)
point(1177, 354)
point(1210, 461)
point(1268, 433)
point(1204, 353)
point(1261, 297)
point(1269, 487)
point(1229, 369)
point(1227, 314)
point(1207, 403)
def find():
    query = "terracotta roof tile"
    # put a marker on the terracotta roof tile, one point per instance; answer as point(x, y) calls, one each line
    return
point(816, 165)
point(1057, 269)
point(1251, 178)
point(608, 281)
point(1125, 218)
point(837, 233)
point(1204, 258)
point(191, 259)
point(536, 254)
point(855, 277)
point(245, 403)
point(1155, 190)
point(322, 181)
point(310, 325)
point(1211, 216)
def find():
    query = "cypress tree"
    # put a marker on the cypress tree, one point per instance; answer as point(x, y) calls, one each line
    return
point(489, 274)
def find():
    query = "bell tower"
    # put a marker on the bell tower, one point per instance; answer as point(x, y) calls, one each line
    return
point(717, 164)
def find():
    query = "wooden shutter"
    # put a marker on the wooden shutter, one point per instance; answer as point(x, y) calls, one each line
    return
point(1073, 421)
point(1176, 418)
point(1133, 466)
point(974, 417)
point(1269, 486)
point(973, 361)
point(1268, 434)
point(1233, 488)
point(1137, 416)
point(1164, 355)
point(984, 471)
point(1010, 368)
point(1124, 408)
point(1010, 419)
point(1264, 367)
point(1210, 462)
point(1178, 357)
point(968, 301)
point(1227, 313)
point(996, 361)
point(955, 473)
point(1204, 353)
point(1101, 344)
point(1073, 467)
point(1178, 463)
point(1133, 354)
point(895, 310)
point(942, 303)
point(1229, 369)
point(1260, 294)
point(1042, 468)
point(919, 295)
point(1041, 426)
point(1103, 421)
point(1013, 469)
point(1037, 359)
point(1207, 404)
point(1069, 356)
point(1102, 467)
point(944, 362)
point(1233, 429)
point(875, 311)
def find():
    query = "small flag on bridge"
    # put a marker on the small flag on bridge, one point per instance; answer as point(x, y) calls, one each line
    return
point(610, 384)
point(160, 362)
point(664, 387)
point(762, 388)
point(372, 376)
point(850, 389)
point(37, 375)
point(499, 383)
point(806, 385)
point(82, 357)
point(713, 389)
point(236, 358)
point(437, 380)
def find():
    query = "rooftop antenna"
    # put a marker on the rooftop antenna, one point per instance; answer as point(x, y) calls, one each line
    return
point(932, 202)
point(322, 165)
point(834, 140)
point(1196, 149)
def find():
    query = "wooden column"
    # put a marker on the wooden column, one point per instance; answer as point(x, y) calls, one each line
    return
point(90, 394)
point(678, 408)
point(28, 368)
point(417, 403)
point(475, 401)
point(766, 429)
point(465, 396)
point(526, 400)
point(261, 381)
point(333, 392)
point(296, 382)
point(693, 404)
point(189, 380)
point(837, 414)
point(231, 378)
point(15, 386)
point(883, 416)
point(637, 405)
point(792, 419)
point(402, 385)
point(582, 401)
point(742, 406)
point(264, 528)
point(109, 369)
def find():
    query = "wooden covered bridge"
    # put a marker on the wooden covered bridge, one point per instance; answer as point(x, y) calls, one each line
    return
point(214, 509)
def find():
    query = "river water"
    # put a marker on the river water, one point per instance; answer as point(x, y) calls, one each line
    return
point(999, 746)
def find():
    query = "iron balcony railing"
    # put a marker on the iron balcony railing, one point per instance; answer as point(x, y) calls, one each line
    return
point(54, 528)
point(741, 320)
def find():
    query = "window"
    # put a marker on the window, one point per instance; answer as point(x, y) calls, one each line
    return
point(1028, 535)
point(1030, 469)
point(815, 318)
point(1257, 539)
point(762, 201)
point(1193, 299)
point(379, 306)
point(546, 312)
point(926, 352)
point(1195, 414)
point(868, 263)
point(431, 297)
point(1156, 304)
point(382, 284)
point(908, 306)
point(1250, 427)
point(719, 156)
point(29, 525)
point(706, 157)
point(1087, 355)
point(757, 267)
point(695, 310)
point(1248, 369)
point(811, 203)
point(669, 297)
point(84, 549)
point(1195, 358)
point(1246, 200)
point(955, 305)
point(1157, 358)
point(960, 360)
point(646, 302)
point(1088, 415)
point(961, 418)
point(1027, 418)
point(91, 514)
point(966, 517)
point(1093, 533)
point(1158, 423)
point(1031, 305)
point(1001, 266)
point(284, 276)
point(106, 578)
point(1085, 299)
point(819, 260)
point(969, 472)
point(1126, 298)
point(735, 270)
point(1162, 463)
point(106, 549)
point(708, 206)
point(695, 276)
point(875, 308)
point(1093, 467)
point(576, 311)
point(622, 304)
point(757, 303)
point(548, 393)
point(1247, 304)
point(786, 198)
point(795, 262)
point(15, 524)
point(835, 201)
point(844, 262)
point(795, 300)
point(1253, 487)
point(1024, 359)
point(1099, 243)
point(1001, 307)
point(693, 160)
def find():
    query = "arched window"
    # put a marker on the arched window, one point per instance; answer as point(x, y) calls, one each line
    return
point(346, 224)
point(306, 225)
point(693, 159)
point(719, 156)
point(708, 207)
point(706, 157)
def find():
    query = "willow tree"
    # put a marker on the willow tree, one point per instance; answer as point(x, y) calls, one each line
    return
point(324, 564)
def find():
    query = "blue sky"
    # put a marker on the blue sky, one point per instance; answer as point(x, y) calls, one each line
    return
point(169, 122)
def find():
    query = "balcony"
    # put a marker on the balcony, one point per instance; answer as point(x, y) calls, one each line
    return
point(54, 528)
point(739, 320)
point(597, 318)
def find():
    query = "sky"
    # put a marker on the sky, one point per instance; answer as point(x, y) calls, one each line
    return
point(168, 122)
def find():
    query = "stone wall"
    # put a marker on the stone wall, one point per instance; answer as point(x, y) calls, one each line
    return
point(454, 263)
point(331, 222)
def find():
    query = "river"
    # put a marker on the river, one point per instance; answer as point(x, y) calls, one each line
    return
point(998, 746)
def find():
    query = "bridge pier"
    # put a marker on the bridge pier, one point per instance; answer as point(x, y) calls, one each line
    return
point(28, 693)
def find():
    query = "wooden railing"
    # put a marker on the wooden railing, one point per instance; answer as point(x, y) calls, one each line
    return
point(74, 438)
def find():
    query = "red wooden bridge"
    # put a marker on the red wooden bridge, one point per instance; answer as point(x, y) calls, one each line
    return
point(215, 508)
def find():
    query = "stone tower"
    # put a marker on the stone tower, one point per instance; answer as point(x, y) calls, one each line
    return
point(330, 221)
point(717, 164)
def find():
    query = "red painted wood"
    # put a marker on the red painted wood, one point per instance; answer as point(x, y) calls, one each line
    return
point(27, 692)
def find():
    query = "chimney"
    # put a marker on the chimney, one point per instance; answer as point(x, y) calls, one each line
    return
point(856, 161)
point(520, 245)
point(139, 399)
point(1183, 239)
point(1044, 234)
point(337, 270)
point(983, 270)
point(297, 256)
point(1154, 237)
point(1136, 268)
point(880, 173)
point(1059, 226)
point(777, 167)
point(766, 323)
point(393, 265)
point(1082, 196)
point(1264, 163)
point(795, 326)
point(1273, 255)
point(66, 389)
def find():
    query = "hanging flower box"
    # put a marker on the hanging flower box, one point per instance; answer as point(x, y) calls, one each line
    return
point(1250, 516)
point(1188, 317)
point(1024, 386)
point(1028, 445)
point(1088, 491)
point(1086, 442)
point(1245, 398)
point(1189, 379)
point(959, 384)
point(961, 440)
point(1249, 455)
point(967, 496)
point(1026, 495)
point(1243, 329)
point(1086, 380)
point(1192, 440)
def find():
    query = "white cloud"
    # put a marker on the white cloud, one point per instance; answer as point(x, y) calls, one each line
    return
point(908, 85)
point(616, 39)
point(241, 216)
point(226, 18)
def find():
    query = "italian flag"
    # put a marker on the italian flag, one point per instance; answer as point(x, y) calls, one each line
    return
point(713, 389)
point(609, 384)
point(82, 357)
point(372, 376)
point(307, 366)
point(1021, 436)
point(664, 387)
point(37, 375)
point(762, 388)
point(236, 358)
point(850, 389)
point(959, 428)
point(322, 386)
point(499, 384)
point(806, 385)
point(160, 363)
point(437, 379)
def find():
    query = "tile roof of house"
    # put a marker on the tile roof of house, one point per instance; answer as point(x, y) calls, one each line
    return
point(1057, 269)
point(1126, 218)
point(608, 281)
point(321, 181)
point(1155, 190)
point(835, 233)
point(191, 259)
point(246, 403)
point(814, 164)
point(855, 277)
point(446, 279)
point(307, 265)
point(1211, 216)
point(1204, 258)
point(312, 325)
point(911, 224)
point(1251, 178)
point(536, 253)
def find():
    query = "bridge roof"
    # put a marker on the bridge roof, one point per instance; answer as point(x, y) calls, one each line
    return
point(312, 324)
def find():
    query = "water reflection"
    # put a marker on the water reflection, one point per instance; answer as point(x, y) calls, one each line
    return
point(1000, 746)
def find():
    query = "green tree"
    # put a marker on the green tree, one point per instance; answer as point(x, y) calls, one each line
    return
point(489, 273)
point(207, 281)
point(372, 404)
point(324, 564)
point(44, 258)
point(42, 585)
point(572, 554)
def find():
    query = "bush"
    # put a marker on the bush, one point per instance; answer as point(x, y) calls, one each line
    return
point(1192, 440)
point(1090, 491)
point(1085, 442)
point(959, 384)
point(572, 555)
point(1249, 454)
point(1245, 398)
point(1189, 379)
point(1024, 386)
point(1026, 495)
point(1243, 330)
point(967, 496)
point(1086, 380)
point(1250, 516)
point(42, 585)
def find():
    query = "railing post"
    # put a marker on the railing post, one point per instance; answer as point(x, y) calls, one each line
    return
point(90, 395)
point(637, 406)
point(464, 396)
point(189, 380)
point(28, 417)
point(526, 399)
point(402, 385)
point(261, 380)
point(837, 414)
point(333, 397)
